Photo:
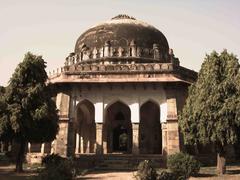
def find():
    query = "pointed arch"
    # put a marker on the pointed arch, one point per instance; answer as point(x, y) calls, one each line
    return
point(150, 100)
point(115, 101)
point(85, 128)
point(88, 108)
point(150, 136)
point(118, 127)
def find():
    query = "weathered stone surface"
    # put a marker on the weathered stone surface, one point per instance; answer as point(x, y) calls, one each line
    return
point(117, 68)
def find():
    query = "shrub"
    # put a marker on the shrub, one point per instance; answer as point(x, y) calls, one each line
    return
point(51, 160)
point(165, 175)
point(56, 168)
point(183, 165)
point(146, 171)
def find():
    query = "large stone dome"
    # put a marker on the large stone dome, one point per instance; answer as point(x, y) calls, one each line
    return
point(122, 31)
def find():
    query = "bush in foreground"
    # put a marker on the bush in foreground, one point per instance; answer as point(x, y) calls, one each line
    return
point(165, 175)
point(56, 168)
point(52, 160)
point(183, 165)
point(146, 171)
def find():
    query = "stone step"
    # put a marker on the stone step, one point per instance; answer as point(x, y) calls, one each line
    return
point(115, 164)
point(118, 161)
point(115, 167)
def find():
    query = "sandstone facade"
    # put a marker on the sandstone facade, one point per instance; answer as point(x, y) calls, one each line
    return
point(119, 92)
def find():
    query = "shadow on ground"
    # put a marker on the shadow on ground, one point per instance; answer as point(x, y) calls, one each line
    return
point(7, 173)
point(237, 171)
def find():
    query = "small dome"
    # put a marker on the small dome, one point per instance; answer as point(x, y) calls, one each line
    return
point(122, 31)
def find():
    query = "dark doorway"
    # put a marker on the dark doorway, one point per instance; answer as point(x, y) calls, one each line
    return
point(150, 133)
point(120, 139)
point(118, 128)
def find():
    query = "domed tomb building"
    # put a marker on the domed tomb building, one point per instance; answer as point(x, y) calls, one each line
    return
point(119, 92)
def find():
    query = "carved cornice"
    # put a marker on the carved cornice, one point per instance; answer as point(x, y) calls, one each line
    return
point(150, 70)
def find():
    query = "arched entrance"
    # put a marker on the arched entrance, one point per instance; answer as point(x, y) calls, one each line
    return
point(150, 134)
point(118, 128)
point(85, 128)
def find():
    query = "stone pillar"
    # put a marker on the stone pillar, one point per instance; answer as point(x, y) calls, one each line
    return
point(106, 51)
point(61, 142)
point(81, 145)
point(104, 138)
point(135, 138)
point(42, 148)
point(164, 139)
point(105, 147)
point(62, 138)
point(156, 52)
point(88, 146)
point(29, 147)
point(77, 143)
point(9, 146)
point(173, 137)
point(53, 147)
point(173, 144)
point(99, 142)
point(133, 48)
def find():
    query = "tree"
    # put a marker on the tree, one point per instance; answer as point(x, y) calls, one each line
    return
point(212, 110)
point(32, 113)
point(6, 132)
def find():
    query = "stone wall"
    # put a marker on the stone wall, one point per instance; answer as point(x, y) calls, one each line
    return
point(169, 97)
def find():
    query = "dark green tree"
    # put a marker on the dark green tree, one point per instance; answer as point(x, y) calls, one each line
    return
point(211, 114)
point(31, 112)
point(6, 132)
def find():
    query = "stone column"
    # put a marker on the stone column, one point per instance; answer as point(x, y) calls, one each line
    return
point(53, 147)
point(81, 145)
point(29, 147)
point(104, 138)
point(173, 144)
point(42, 148)
point(164, 139)
point(172, 137)
point(77, 143)
point(61, 142)
point(88, 146)
point(62, 139)
point(135, 138)
point(99, 142)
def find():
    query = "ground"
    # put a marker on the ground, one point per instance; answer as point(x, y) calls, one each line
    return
point(206, 173)
point(113, 175)
point(7, 173)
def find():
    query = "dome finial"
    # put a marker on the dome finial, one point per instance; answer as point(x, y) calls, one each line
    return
point(123, 16)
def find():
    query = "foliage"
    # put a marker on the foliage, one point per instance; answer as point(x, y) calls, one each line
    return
point(183, 165)
point(146, 171)
point(51, 160)
point(211, 114)
point(56, 168)
point(165, 175)
point(212, 110)
point(33, 114)
point(5, 127)
point(28, 113)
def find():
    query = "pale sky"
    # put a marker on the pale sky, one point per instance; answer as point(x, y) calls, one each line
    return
point(51, 27)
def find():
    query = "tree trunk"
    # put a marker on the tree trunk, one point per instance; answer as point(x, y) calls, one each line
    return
point(20, 156)
point(221, 161)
